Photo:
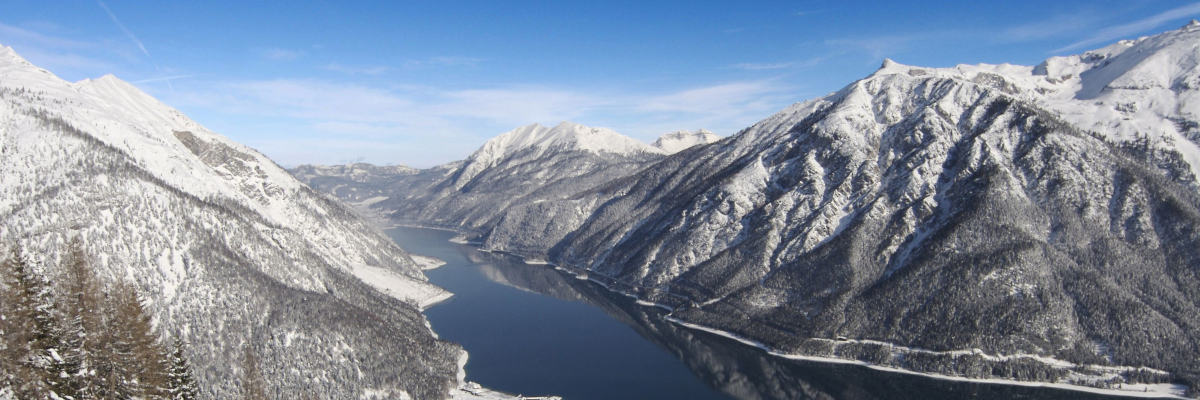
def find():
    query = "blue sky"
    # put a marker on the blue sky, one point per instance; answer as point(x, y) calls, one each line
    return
point(421, 83)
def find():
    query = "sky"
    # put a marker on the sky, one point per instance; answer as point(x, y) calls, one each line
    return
point(422, 83)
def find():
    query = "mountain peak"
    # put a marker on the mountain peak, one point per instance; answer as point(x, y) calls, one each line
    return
point(564, 136)
point(538, 141)
point(20, 72)
point(674, 142)
point(9, 56)
point(1192, 24)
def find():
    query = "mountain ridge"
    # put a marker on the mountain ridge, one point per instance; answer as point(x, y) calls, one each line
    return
point(230, 251)
point(1018, 206)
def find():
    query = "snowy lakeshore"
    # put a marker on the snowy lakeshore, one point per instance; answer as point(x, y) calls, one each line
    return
point(1137, 390)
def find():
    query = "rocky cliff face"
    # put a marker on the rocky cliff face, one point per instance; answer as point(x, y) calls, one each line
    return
point(230, 251)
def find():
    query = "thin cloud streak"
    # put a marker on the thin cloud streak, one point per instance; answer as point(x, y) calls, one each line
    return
point(424, 114)
point(886, 45)
point(163, 79)
point(1058, 26)
point(356, 70)
point(278, 54)
point(445, 61)
point(10, 33)
point(128, 33)
point(1135, 27)
point(762, 66)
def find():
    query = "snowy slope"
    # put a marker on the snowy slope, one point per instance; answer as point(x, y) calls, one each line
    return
point(536, 141)
point(522, 167)
point(991, 221)
point(1142, 92)
point(674, 142)
point(1046, 216)
point(228, 248)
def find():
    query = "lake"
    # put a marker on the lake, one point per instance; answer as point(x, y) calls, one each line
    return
point(534, 330)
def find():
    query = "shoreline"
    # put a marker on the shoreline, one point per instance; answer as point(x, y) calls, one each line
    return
point(1164, 390)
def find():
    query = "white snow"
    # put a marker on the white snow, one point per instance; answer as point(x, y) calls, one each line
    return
point(370, 201)
point(677, 141)
point(419, 293)
point(168, 187)
point(1130, 90)
point(541, 139)
point(427, 263)
point(1138, 390)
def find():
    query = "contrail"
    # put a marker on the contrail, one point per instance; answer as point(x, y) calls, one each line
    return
point(129, 33)
point(136, 41)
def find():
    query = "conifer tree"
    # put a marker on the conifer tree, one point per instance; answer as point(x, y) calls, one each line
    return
point(79, 303)
point(143, 363)
point(82, 342)
point(253, 385)
point(32, 342)
point(12, 326)
point(182, 384)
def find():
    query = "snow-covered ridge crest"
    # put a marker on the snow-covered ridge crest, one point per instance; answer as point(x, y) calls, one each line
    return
point(541, 140)
point(121, 115)
point(674, 142)
point(215, 235)
point(564, 136)
point(1143, 92)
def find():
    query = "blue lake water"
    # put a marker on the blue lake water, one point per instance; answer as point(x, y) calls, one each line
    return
point(533, 330)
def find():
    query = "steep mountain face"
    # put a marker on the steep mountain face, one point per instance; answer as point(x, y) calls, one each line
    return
point(524, 166)
point(229, 250)
point(1050, 211)
point(675, 142)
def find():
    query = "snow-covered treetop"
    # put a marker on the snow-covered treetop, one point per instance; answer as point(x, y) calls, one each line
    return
point(674, 142)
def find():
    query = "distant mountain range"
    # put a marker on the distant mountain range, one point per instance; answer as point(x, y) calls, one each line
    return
point(991, 221)
point(524, 166)
point(233, 254)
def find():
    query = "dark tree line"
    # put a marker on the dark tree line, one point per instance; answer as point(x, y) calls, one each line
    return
point(81, 339)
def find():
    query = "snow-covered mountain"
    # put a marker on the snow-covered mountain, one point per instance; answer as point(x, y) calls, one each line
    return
point(539, 142)
point(1028, 222)
point(524, 166)
point(230, 250)
point(674, 142)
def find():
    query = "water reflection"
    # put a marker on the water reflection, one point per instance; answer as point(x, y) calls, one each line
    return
point(742, 371)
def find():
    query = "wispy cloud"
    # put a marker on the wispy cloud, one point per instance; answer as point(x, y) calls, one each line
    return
point(127, 32)
point(1135, 27)
point(516, 105)
point(357, 70)
point(882, 45)
point(424, 115)
point(723, 108)
point(1053, 27)
point(163, 78)
point(783, 65)
point(762, 66)
point(10, 34)
point(445, 61)
point(278, 54)
point(58, 54)
point(311, 99)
